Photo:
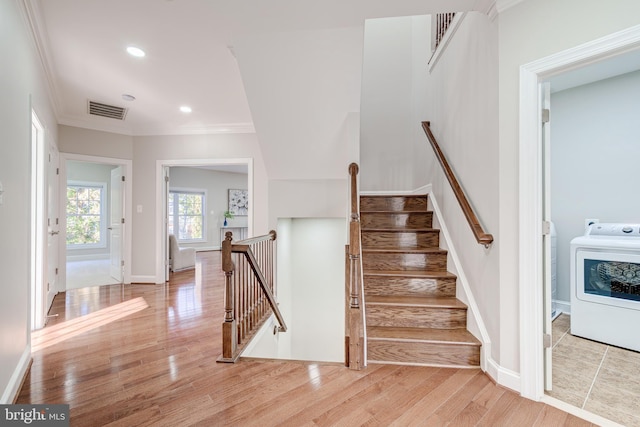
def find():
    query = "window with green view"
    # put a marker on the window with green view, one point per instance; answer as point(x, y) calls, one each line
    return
point(85, 215)
point(186, 214)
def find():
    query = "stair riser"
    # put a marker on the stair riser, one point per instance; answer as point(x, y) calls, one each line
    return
point(415, 317)
point(398, 203)
point(410, 220)
point(378, 285)
point(404, 261)
point(410, 239)
point(445, 354)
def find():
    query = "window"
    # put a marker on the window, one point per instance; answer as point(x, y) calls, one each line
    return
point(186, 214)
point(86, 219)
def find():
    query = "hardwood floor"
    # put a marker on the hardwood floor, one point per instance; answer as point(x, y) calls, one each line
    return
point(141, 355)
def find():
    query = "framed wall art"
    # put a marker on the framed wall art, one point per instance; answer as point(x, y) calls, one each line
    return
point(239, 202)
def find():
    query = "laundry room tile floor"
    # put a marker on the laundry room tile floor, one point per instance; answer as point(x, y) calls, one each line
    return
point(594, 376)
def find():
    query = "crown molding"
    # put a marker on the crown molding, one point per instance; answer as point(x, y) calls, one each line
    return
point(38, 31)
point(502, 5)
point(123, 129)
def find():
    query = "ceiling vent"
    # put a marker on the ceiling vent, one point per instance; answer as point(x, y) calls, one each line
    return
point(109, 111)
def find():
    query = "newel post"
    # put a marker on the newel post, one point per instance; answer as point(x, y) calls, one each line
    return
point(354, 239)
point(229, 335)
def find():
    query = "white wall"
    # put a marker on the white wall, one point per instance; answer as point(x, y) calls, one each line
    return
point(531, 30)
point(462, 91)
point(95, 143)
point(594, 152)
point(301, 86)
point(310, 292)
point(22, 86)
point(216, 184)
point(393, 102)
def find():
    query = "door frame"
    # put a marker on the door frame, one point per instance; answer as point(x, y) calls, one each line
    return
point(128, 212)
point(530, 193)
point(161, 229)
point(38, 243)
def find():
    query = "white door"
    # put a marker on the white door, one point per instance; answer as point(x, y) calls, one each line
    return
point(545, 101)
point(53, 226)
point(116, 223)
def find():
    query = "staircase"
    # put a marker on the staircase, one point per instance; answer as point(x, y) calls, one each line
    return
point(412, 314)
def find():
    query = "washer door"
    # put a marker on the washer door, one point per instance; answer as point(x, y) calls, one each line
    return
point(611, 278)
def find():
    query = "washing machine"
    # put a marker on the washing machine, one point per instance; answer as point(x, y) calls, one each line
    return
point(605, 285)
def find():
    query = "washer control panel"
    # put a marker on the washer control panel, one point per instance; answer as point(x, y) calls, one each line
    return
point(613, 229)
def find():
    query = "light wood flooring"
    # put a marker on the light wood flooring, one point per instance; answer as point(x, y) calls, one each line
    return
point(142, 355)
point(600, 378)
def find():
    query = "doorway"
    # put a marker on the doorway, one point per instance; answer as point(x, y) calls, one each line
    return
point(96, 240)
point(600, 56)
point(213, 212)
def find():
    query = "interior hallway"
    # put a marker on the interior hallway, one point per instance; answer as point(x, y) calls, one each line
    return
point(146, 355)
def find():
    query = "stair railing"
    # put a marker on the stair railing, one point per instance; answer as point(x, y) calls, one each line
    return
point(355, 357)
point(481, 236)
point(249, 299)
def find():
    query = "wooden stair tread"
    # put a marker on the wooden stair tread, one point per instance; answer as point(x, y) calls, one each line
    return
point(400, 230)
point(390, 211)
point(451, 336)
point(416, 301)
point(422, 274)
point(405, 250)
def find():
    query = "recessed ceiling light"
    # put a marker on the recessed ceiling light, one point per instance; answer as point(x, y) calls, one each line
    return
point(135, 51)
point(185, 109)
point(128, 97)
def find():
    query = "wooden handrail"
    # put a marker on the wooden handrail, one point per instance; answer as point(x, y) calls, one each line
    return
point(354, 318)
point(481, 236)
point(248, 266)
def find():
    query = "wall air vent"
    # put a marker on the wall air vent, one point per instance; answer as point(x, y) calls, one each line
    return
point(109, 111)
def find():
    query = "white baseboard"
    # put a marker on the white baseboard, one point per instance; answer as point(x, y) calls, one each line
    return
point(207, 248)
point(13, 388)
point(503, 376)
point(143, 279)
point(87, 257)
point(562, 306)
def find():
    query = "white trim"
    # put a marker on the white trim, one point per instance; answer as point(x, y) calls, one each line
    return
point(562, 306)
point(448, 35)
point(144, 279)
point(19, 373)
point(127, 166)
point(530, 192)
point(503, 376)
point(35, 21)
point(160, 228)
point(475, 324)
point(206, 248)
point(88, 257)
point(502, 5)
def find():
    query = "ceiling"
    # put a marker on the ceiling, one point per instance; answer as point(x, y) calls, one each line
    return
point(189, 54)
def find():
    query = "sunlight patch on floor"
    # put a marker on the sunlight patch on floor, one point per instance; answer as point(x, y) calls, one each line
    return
point(60, 332)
